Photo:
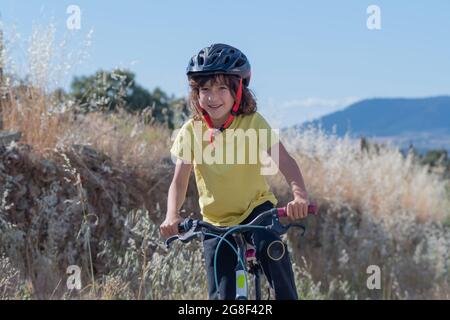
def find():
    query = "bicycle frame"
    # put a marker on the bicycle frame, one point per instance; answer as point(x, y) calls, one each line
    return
point(241, 273)
point(253, 267)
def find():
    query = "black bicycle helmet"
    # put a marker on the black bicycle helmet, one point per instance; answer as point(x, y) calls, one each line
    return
point(220, 58)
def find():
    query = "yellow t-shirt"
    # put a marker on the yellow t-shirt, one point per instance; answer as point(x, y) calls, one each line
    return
point(230, 175)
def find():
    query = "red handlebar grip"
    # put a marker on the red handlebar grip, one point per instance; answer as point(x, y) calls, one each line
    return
point(312, 209)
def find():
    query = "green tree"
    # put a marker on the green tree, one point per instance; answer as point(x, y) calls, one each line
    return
point(108, 91)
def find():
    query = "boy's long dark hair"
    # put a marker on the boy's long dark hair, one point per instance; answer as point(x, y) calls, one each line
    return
point(248, 101)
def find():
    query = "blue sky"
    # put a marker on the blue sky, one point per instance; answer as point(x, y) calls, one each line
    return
point(308, 58)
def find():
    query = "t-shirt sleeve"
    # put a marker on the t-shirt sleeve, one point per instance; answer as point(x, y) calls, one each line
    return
point(268, 136)
point(182, 146)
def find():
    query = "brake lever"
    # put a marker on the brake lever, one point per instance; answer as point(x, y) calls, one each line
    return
point(190, 233)
point(187, 236)
point(170, 240)
point(276, 226)
point(183, 238)
point(280, 229)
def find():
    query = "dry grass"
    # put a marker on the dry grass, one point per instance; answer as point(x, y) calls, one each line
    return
point(381, 183)
point(29, 110)
point(411, 251)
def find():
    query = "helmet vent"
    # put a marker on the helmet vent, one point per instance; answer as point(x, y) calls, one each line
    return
point(239, 63)
point(226, 60)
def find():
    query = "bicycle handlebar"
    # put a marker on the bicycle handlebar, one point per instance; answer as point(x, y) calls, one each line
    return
point(190, 228)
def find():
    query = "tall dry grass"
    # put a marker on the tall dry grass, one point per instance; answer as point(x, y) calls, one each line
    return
point(381, 182)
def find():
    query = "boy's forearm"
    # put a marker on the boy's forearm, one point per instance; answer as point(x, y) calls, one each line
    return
point(175, 199)
point(294, 178)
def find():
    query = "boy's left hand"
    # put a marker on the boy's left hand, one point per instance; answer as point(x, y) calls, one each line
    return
point(297, 208)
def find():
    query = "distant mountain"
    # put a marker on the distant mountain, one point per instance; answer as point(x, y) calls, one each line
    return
point(425, 122)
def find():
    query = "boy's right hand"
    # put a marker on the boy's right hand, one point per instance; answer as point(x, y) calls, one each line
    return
point(169, 227)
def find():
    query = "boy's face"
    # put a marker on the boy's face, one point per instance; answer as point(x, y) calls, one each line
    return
point(217, 100)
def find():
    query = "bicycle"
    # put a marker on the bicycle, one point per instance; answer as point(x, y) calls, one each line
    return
point(190, 229)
